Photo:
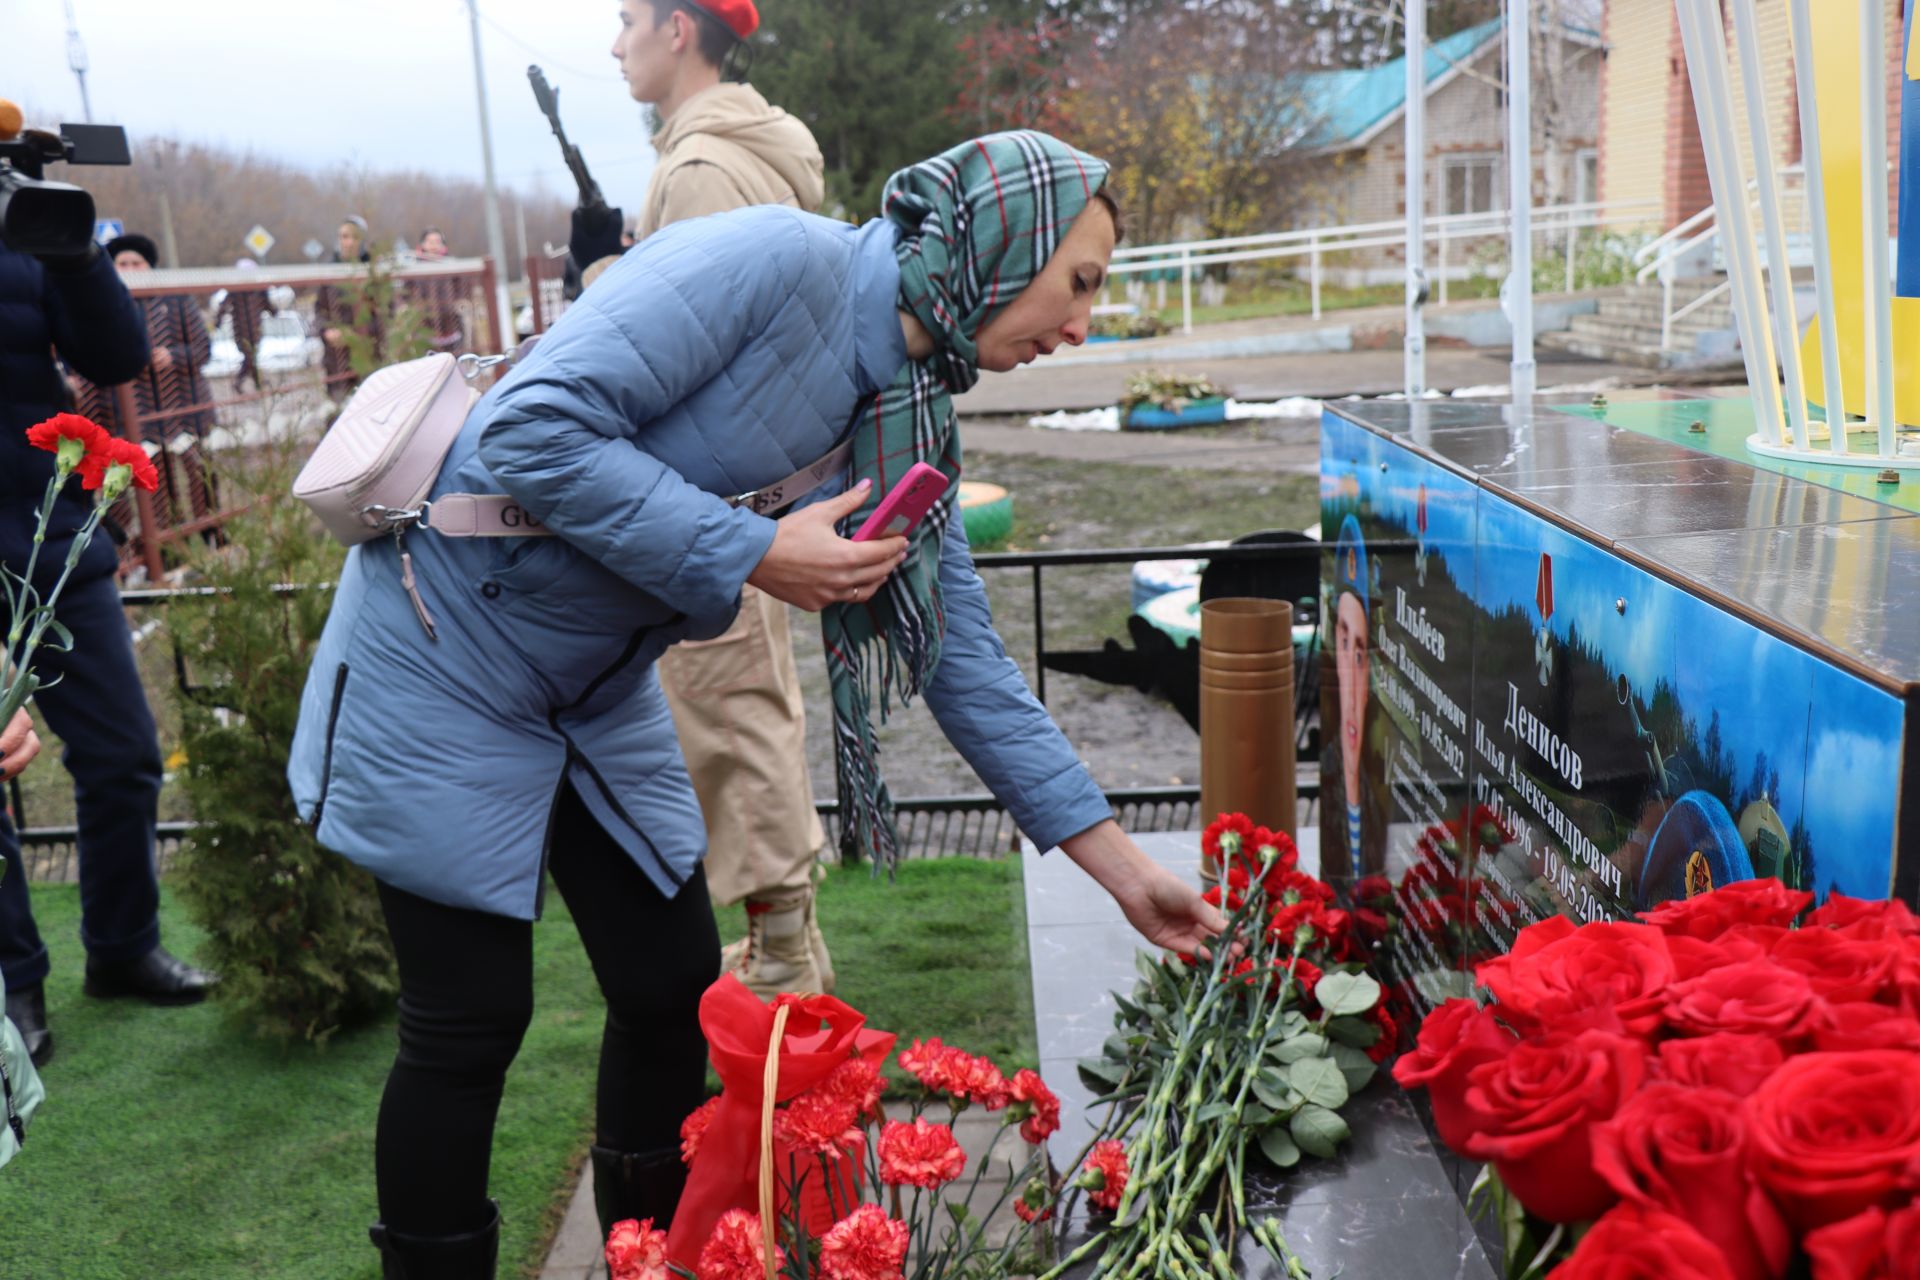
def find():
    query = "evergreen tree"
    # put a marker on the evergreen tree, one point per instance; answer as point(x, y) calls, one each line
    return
point(873, 81)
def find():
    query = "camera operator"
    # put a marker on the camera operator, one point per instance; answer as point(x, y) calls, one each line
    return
point(75, 304)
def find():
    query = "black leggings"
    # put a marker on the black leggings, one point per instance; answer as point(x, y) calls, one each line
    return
point(466, 998)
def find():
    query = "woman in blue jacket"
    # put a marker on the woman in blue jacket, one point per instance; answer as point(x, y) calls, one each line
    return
point(503, 720)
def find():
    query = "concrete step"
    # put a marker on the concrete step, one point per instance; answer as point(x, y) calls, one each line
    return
point(1642, 356)
point(1684, 291)
point(1715, 315)
point(1631, 332)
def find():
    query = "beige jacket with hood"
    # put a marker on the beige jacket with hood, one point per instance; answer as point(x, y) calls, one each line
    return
point(727, 148)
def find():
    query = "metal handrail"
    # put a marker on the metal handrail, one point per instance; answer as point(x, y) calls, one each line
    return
point(1315, 242)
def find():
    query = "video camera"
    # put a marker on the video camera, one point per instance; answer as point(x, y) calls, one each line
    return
point(50, 218)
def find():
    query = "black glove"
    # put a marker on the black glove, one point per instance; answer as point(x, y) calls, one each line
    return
point(596, 235)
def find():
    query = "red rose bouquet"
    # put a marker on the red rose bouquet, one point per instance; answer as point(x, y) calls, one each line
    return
point(106, 465)
point(1717, 1092)
point(817, 1180)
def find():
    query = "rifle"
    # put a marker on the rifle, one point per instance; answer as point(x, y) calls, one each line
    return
point(548, 98)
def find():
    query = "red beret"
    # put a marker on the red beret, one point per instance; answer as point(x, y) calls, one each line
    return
point(739, 16)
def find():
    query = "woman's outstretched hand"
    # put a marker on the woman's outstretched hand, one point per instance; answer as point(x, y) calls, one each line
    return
point(1166, 910)
point(812, 566)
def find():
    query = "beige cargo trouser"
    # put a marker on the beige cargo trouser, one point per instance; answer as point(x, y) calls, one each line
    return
point(743, 729)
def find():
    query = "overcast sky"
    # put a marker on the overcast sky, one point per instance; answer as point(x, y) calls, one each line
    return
point(384, 83)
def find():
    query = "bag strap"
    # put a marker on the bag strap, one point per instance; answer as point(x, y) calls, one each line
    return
point(495, 515)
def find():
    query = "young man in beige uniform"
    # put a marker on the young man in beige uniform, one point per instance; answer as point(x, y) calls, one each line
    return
point(736, 699)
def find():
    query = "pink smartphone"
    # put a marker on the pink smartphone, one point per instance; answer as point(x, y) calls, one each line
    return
point(906, 505)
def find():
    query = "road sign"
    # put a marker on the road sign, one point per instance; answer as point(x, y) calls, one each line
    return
point(259, 240)
point(313, 249)
point(105, 229)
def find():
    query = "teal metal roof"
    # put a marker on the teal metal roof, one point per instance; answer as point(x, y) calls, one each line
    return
point(1347, 105)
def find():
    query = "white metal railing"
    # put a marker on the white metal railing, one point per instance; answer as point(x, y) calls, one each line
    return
point(1565, 221)
point(1698, 238)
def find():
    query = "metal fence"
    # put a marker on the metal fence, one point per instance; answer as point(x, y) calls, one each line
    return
point(927, 826)
point(242, 356)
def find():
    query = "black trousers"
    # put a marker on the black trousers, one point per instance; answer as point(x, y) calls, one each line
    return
point(92, 698)
point(466, 998)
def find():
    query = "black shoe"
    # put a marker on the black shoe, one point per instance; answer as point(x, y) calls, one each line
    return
point(157, 977)
point(464, 1257)
point(636, 1184)
point(27, 1007)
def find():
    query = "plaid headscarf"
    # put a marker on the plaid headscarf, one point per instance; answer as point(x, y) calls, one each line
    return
point(976, 225)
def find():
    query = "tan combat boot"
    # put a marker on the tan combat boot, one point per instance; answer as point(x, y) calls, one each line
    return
point(783, 950)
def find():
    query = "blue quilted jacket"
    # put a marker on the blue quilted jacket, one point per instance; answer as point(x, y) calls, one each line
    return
point(721, 355)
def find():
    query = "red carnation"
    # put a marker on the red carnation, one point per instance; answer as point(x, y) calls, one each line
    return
point(1104, 1175)
point(1034, 1203)
point(820, 1124)
point(736, 1250)
point(864, 1245)
point(90, 435)
point(919, 1155)
point(94, 468)
point(1389, 1040)
point(1225, 835)
point(635, 1251)
point(1034, 1106)
point(694, 1128)
point(859, 1082)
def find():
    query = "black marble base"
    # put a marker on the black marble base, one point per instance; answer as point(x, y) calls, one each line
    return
point(1388, 1207)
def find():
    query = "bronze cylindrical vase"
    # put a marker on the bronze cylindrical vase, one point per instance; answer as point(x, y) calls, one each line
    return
point(1246, 711)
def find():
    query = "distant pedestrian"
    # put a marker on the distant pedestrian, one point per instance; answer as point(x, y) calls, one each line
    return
point(437, 299)
point(171, 394)
point(334, 312)
point(350, 242)
point(432, 244)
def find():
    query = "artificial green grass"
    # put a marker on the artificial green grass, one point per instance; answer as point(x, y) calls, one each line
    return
point(941, 951)
point(172, 1145)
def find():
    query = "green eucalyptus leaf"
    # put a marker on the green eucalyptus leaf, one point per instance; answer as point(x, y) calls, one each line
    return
point(1293, 1022)
point(1116, 1048)
point(1318, 1130)
point(1357, 1032)
point(1126, 1008)
point(1255, 1114)
point(1147, 967)
point(1347, 993)
point(1279, 1147)
point(1320, 1082)
point(1305, 1045)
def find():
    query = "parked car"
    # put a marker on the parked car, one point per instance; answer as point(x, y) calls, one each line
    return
point(286, 346)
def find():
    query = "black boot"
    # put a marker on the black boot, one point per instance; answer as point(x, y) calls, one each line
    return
point(636, 1184)
point(464, 1257)
point(27, 1006)
point(158, 977)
